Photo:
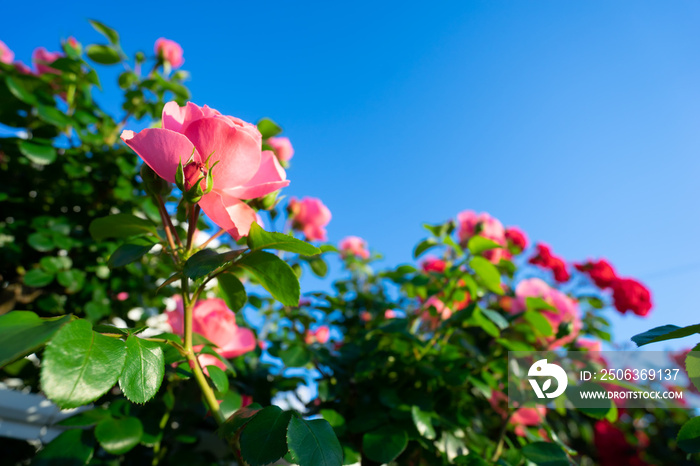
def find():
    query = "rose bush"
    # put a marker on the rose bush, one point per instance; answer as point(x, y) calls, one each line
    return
point(151, 296)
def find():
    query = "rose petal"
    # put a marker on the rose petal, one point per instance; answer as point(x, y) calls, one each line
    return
point(237, 152)
point(161, 149)
point(270, 177)
point(228, 212)
point(239, 342)
point(175, 118)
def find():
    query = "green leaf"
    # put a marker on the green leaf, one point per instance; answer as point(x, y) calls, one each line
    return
point(597, 408)
point(129, 252)
point(71, 448)
point(496, 318)
point(423, 423)
point(268, 128)
point(72, 280)
point(264, 438)
point(689, 436)
point(478, 244)
point(313, 443)
point(55, 264)
point(53, 116)
point(118, 436)
point(261, 239)
point(103, 54)
point(232, 291)
point(319, 267)
point(488, 273)
point(106, 31)
point(424, 246)
point(238, 420)
point(120, 226)
point(38, 278)
point(274, 274)
point(23, 332)
point(296, 355)
point(539, 322)
point(143, 370)
point(665, 332)
point(335, 419)
point(230, 403)
point(539, 304)
point(384, 444)
point(219, 378)
point(692, 366)
point(80, 365)
point(41, 242)
point(37, 153)
point(206, 261)
point(18, 89)
point(545, 454)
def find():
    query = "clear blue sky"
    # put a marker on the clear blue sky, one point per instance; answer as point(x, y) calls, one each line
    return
point(577, 121)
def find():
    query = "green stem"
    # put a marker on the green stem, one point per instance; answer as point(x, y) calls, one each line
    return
point(192, 227)
point(208, 393)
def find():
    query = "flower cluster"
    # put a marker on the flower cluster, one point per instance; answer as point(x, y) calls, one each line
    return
point(545, 259)
point(628, 294)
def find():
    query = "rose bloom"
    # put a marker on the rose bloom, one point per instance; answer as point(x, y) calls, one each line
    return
point(6, 55)
point(170, 51)
point(567, 308)
point(217, 323)
point(390, 314)
point(243, 170)
point(470, 224)
point(310, 216)
point(545, 259)
point(443, 312)
point(433, 264)
point(355, 246)
point(516, 237)
point(600, 271)
point(320, 335)
point(122, 296)
point(282, 147)
point(630, 295)
point(42, 58)
point(522, 417)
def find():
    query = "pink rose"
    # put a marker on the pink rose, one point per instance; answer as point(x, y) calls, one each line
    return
point(242, 172)
point(217, 323)
point(170, 51)
point(123, 296)
point(42, 58)
point(390, 314)
point(22, 68)
point(433, 264)
point(354, 245)
point(471, 224)
point(282, 147)
point(567, 308)
point(521, 418)
point(6, 55)
point(443, 312)
point(310, 216)
point(320, 335)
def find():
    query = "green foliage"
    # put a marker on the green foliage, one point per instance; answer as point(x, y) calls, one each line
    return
point(665, 332)
point(23, 332)
point(80, 365)
point(275, 275)
point(120, 226)
point(261, 239)
point(118, 436)
point(384, 444)
point(546, 454)
point(269, 428)
point(233, 291)
point(71, 448)
point(143, 371)
point(313, 443)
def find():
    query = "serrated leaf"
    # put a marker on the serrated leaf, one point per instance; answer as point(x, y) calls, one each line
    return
point(38, 153)
point(314, 443)
point(120, 226)
point(23, 332)
point(103, 54)
point(233, 291)
point(143, 370)
point(488, 273)
point(665, 332)
point(80, 365)
point(260, 239)
point(264, 438)
point(384, 444)
point(689, 436)
point(118, 436)
point(275, 275)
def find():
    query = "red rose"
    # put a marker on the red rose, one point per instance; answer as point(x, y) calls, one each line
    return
point(630, 295)
point(601, 272)
point(545, 259)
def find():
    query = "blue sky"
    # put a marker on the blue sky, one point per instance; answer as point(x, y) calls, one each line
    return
point(577, 121)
